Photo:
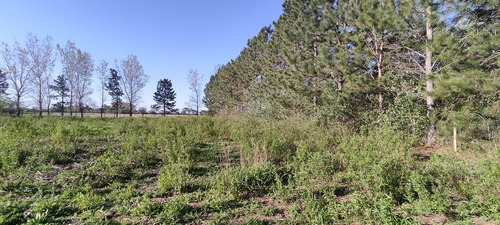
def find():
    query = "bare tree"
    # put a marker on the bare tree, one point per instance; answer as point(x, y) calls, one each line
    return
point(133, 80)
point(102, 74)
point(40, 61)
point(17, 72)
point(69, 61)
point(47, 92)
point(195, 81)
point(83, 79)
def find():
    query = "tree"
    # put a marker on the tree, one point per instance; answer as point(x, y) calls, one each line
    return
point(61, 88)
point(465, 69)
point(379, 25)
point(431, 42)
point(114, 90)
point(102, 75)
point(133, 80)
point(40, 62)
point(165, 95)
point(195, 81)
point(69, 58)
point(3, 88)
point(17, 72)
point(142, 110)
point(3, 83)
point(83, 81)
point(388, 62)
point(153, 109)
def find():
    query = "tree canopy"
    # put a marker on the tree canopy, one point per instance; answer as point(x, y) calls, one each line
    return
point(114, 90)
point(410, 64)
point(164, 95)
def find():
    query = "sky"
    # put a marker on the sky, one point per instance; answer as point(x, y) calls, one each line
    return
point(169, 37)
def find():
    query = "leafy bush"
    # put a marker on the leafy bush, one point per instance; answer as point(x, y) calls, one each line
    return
point(173, 177)
point(240, 182)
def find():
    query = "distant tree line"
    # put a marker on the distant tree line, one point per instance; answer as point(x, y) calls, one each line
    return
point(28, 73)
point(423, 66)
point(27, 77)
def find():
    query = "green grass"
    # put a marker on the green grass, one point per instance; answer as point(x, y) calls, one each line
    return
point(204, 170)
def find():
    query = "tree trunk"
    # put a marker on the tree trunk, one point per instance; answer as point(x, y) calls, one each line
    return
point(340, 83)
point(197, 104)
point(380, 100)
point(102, 109)
point(380, 74)
point(163, 109)
point(80, 104)
point(40, 106)
point(455, 138)
point(131, 109)
point(71, 104)
point(18, 105)
point(428, 71)
point(116, 111)
point(314, 94)
point(62, 104)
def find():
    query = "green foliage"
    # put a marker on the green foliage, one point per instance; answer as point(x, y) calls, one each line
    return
point(61, 88)
point(406, 114)
point(255, 180)
point(3, 84)
point(164, 96)
point(114, 89)
point(365, 62)
point(173, 177)
point(11, 212)
point(235, 170)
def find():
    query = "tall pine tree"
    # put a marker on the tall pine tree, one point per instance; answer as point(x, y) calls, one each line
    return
point(61, 88)
point(114, 90)
point(164, 95)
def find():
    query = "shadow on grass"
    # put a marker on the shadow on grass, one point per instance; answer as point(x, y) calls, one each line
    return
point(205, 159)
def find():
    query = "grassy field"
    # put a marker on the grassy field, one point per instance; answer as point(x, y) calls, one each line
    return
point(203, 170)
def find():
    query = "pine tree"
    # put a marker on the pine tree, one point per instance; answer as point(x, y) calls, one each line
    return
point(61, 88)
point(114, 90)
point(467, 81)
point(430, 65)
point(378, 25)
point(303, 34)
point(164, 95)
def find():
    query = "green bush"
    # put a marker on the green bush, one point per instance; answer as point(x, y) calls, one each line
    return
point(240, 182)
point(173, 177)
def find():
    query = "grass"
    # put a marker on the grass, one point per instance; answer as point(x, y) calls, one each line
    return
point(204, 170)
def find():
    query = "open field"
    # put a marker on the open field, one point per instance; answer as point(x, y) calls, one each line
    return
point(204, 170)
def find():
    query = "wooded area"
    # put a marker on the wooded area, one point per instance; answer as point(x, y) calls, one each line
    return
point(414, 65)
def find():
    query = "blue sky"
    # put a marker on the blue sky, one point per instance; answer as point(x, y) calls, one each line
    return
point(169, 37)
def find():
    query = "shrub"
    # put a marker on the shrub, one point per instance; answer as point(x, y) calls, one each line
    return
point(173, 177)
